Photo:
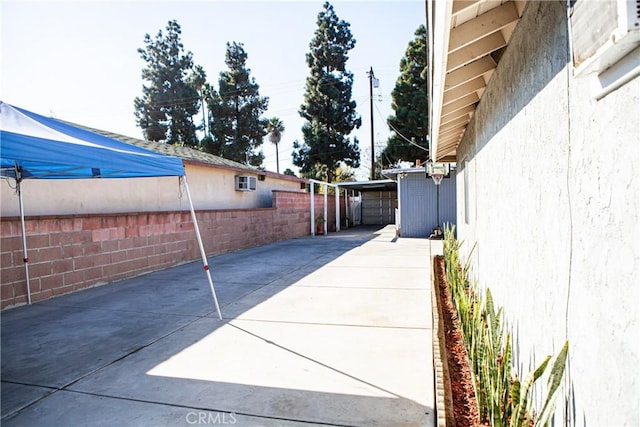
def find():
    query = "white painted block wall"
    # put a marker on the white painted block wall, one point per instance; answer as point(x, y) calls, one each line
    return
point(553, 203)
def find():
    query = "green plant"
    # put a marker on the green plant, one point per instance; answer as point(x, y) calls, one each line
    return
point(502, 399)
point(553, 386)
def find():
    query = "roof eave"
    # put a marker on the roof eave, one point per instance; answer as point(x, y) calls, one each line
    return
point(439, 14)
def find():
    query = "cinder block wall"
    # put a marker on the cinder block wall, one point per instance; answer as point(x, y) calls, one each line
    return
point(72, 252)
point(548, 189)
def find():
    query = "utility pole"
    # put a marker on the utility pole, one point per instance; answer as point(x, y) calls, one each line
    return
point(204, 117)
point(373, 82)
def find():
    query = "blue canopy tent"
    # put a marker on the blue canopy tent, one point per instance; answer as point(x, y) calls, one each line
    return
point(36, 147)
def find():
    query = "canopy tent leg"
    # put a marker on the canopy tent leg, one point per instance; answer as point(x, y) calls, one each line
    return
point(202, 252)
point(25, 257)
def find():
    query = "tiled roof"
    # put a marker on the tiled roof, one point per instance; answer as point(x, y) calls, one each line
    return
point(184, 153)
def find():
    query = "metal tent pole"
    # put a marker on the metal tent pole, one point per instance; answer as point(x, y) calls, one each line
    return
point(202, 252)
point(25, 257)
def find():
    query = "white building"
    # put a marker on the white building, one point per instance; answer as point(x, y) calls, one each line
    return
point(548, 186)
point(212, 179)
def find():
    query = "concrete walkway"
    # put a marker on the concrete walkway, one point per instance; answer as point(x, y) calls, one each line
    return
point(329, 330)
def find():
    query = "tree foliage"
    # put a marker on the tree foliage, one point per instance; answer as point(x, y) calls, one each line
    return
point(275, 127)
point(328, 108)
point(409, 101)
point(169, 100)
point(235, 109)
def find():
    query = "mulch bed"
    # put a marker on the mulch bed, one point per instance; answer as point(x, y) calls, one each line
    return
point(460, 382)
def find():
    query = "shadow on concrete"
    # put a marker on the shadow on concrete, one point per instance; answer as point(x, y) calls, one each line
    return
point(119, 347)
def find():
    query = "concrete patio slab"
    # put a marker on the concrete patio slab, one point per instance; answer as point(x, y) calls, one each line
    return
point(55, 346)
point(332, 330)
point(282, 373)
point(101, 411)
point(20, 395)
point(398, 308)
point(330, 275)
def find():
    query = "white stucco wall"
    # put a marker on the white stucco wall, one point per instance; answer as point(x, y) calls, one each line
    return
point(552, 200)
point(211, 188)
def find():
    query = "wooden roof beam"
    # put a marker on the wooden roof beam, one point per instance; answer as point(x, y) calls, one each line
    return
point(452, 132)
point(472, 98)
point(485, 24)
point(461, 5)
point(463, 90)
point(446, 154)
point(460, 121)
point(458, 113)
point(475, 50)
point(450, 150)
point(469, 72)
point(450, 141)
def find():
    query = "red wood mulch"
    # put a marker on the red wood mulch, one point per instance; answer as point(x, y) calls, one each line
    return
point(465, 407)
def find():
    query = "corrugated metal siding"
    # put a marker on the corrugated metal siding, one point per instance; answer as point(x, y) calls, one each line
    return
point(418, 214)
point(378, 207)
point(448, 211)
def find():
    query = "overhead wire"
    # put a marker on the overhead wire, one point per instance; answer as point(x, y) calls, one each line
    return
point(398, 132)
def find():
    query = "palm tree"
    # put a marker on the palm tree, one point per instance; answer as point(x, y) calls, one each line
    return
point(275, 127)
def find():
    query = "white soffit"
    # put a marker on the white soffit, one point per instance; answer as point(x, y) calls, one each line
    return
point(467, 37)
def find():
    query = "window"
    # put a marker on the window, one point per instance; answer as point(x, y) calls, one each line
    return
point(465, 169)
point(246, 183)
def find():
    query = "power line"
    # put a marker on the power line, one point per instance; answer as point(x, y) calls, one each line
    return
point(400, 134)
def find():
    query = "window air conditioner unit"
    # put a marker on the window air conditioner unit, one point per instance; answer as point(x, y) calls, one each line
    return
point(246, 183)
point(605, 41)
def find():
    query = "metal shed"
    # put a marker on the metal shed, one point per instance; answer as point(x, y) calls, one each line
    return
point(421, 204)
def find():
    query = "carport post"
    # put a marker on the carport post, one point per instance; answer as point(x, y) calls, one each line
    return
point(346, 208)
point(337, 208)
point(326, 188)
point(202, 252)
point(313, 208)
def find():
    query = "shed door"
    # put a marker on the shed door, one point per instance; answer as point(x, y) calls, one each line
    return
point(378, 207)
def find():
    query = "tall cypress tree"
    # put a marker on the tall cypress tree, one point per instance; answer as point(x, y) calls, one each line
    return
point(235, 123)
point(328, 108)
point(169, 101)
point(409, 101)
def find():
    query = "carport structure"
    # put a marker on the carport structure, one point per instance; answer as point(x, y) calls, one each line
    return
point(375, 203)
point(378, 200)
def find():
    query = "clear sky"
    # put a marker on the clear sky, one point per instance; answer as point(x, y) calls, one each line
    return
point(78, 60)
